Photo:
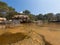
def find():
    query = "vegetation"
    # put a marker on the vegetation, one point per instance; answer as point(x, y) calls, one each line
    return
point(9, 12)
point(27, 12)
point(6, 11)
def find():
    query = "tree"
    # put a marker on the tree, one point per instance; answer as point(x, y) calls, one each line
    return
point(27, 12)
point(1, 15)
point(32, 17)
point(11, 12)
point(40, 17)
point(3, 9)
point(49, 16)
point(6, 11)
point(58, 16)
point(11, 9)
point(45, 17)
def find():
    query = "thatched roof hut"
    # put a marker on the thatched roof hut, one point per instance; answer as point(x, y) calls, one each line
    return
point(22, 18)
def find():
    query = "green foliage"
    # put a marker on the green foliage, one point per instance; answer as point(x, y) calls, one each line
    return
point(1, 15)
point(58, 16)
point(40, 17)
point(9, 16)
point(32, 17)
point(27, 12)
point(3, 6)
point(48, 16)
point(9, 11)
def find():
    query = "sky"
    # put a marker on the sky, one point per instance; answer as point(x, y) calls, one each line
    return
point(35, 6)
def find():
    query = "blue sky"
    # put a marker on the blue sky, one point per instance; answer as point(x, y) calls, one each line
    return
point(35, 6)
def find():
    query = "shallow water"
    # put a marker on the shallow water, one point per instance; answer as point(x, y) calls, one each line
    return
point(51, 31)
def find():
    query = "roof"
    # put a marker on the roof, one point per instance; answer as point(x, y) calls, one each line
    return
point(20, 16)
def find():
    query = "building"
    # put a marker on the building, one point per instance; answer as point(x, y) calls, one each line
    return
point(21, 18)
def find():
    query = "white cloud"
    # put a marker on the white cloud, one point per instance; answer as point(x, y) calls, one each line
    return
point(21, 12)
